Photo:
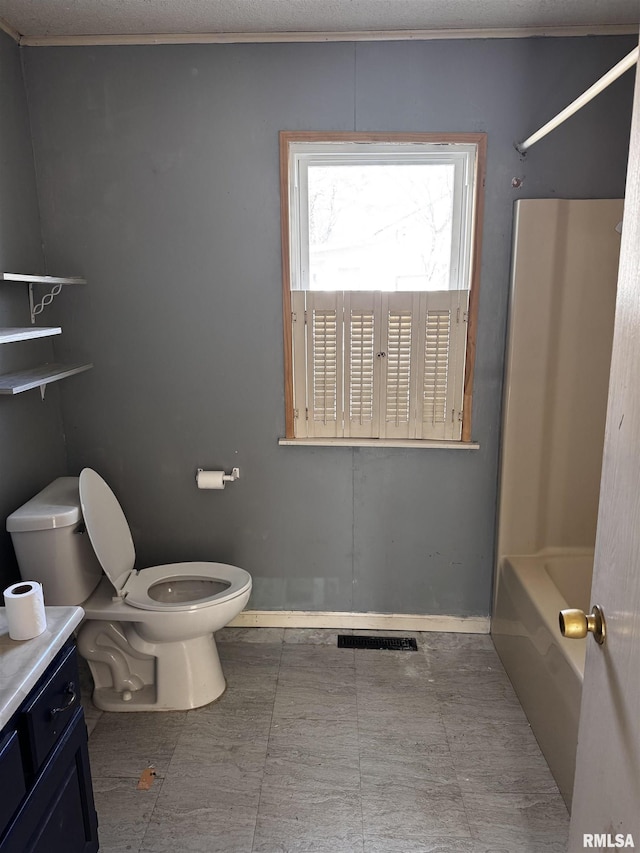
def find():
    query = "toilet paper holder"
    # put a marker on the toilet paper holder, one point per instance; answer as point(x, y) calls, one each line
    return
point(226, 478)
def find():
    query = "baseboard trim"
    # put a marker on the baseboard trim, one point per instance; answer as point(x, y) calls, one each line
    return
point(362, 621)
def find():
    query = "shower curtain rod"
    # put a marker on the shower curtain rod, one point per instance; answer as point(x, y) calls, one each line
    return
point(611, 75)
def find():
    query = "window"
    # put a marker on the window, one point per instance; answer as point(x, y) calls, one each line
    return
point(380, 262)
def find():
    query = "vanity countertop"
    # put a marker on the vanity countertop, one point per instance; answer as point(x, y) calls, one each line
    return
point(22, 662)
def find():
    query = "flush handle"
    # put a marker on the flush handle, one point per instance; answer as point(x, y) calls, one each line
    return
point(575, 624)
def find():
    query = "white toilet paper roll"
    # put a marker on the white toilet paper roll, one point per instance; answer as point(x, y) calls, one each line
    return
point(210, 479)
point(24, 604)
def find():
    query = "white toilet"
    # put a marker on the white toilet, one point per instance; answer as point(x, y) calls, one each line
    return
point(147, 635)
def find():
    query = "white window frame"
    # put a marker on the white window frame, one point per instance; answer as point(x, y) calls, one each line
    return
point(462, 156)
point(299, 150)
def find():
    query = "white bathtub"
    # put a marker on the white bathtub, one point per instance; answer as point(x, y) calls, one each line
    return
point(546, 669)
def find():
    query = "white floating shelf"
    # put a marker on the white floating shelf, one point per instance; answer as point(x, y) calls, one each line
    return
point(9, 335)
point(38, 377)
point(41, 279)
point(55, 282)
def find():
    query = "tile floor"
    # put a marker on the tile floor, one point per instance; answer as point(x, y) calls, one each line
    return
point(315, 749)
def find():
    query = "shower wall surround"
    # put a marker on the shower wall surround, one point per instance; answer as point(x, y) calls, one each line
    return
point(157, 171)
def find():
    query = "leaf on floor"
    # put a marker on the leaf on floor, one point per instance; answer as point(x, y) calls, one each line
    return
point(146, 778)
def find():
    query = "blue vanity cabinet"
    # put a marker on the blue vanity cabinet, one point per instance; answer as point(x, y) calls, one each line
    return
point(12, 784)
point(45, 779)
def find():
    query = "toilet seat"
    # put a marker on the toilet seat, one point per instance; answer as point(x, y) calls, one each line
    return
point(111, 539)
point(136, 589)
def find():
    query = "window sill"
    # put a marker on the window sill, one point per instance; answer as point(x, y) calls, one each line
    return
point(421, 444)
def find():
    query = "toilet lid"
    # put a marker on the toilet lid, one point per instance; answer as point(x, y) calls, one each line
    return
point(107, 528)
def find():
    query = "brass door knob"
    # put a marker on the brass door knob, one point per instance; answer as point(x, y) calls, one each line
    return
point(575, 624)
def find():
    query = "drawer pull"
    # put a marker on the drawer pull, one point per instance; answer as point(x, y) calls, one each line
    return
point(71, 690)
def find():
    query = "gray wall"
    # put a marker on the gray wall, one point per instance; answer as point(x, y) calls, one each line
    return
point(158, 178)
point(31, 438)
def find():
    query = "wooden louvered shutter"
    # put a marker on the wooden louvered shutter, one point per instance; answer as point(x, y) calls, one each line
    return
point(299, 363)
point(378, 365)
point(324, 363)
point(362, 375)
point(400, 313)
point(442, 350)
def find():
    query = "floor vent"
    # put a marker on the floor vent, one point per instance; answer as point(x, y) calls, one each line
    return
point(398, 644)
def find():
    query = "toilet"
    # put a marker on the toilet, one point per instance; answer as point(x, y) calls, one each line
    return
point(148, 635)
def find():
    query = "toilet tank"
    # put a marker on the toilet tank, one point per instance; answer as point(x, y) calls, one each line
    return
point(52, 545)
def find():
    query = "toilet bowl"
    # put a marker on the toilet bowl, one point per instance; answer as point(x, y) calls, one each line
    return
point(147, 634)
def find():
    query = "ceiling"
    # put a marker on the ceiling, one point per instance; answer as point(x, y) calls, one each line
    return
point(68, 21)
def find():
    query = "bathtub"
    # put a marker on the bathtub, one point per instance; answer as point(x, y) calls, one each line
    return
point(545, 669)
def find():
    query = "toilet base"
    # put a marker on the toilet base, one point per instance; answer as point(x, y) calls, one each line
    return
point(131, 674)
point(107, 699)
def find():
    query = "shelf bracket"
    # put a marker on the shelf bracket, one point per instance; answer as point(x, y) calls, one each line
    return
point(43, 388)
point(46, 300)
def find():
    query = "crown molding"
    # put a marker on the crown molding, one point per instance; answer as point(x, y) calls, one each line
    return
point(288, 37)
point(9, 30)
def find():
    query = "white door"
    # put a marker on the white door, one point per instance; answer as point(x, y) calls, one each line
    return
point(606, 799)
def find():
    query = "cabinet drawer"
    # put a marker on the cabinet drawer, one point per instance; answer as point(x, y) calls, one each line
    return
point(11, 777)
point(50, 709)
